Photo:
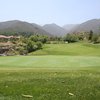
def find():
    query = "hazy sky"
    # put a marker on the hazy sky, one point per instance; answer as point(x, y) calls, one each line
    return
point(50, 11)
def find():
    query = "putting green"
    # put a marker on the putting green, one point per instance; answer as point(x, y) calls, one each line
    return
point(49, 62)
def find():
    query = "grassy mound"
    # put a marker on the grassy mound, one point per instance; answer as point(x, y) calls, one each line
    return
point(82, 49)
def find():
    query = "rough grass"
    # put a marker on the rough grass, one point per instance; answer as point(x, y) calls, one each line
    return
point(50, 85)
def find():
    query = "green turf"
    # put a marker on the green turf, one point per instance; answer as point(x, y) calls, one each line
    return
point(50, 77)
point(67, 74)
point(50, 85)
point(53, 62)
point(81, 49)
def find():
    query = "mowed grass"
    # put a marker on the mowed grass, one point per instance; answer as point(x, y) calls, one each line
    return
point(50, 78)
point(53, 76)
point(52, 62)
point(74, 49)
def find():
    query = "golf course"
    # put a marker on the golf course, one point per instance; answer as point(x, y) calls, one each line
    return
point(50, 50)
point(55, 72)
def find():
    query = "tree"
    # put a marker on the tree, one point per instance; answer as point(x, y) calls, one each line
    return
point(90, 35)
point(71, 38)
point(39, 44)
point(95, 38)
point(98, 41)
point(30, 46)
point(42, 39)
point(34, 38)
point(33, 44)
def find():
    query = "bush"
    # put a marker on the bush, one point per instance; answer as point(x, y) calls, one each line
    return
point(98, 41)
point(22, 51)
point(71, 38)
point(32, 46)
point(95, 39)
point(39, 44)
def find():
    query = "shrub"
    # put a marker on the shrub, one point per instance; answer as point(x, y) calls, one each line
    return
point(71, 38)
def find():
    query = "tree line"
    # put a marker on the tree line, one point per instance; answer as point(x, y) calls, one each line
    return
point(83, 36)
point(32, 42)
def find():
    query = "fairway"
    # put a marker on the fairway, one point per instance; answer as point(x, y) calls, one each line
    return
point(52, 73)
point(71, 49)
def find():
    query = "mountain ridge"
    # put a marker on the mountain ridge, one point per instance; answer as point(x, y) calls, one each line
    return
point(49, 29)
point(21, 26)
point(54, 29)
point(86, 26)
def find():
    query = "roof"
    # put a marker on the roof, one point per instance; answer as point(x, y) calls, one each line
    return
point(8, 37)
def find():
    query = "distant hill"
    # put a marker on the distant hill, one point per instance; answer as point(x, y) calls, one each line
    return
point(16, 26)
point(69, 27)
point(40, 27)
point(93, 25)
point(21, 26)
point(54, 29)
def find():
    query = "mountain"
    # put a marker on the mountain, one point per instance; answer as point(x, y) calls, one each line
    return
point(16, 26)
point(21, 26)
point(69, 27)
point(93, 25)
point(41, 28)
point(54, 29)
